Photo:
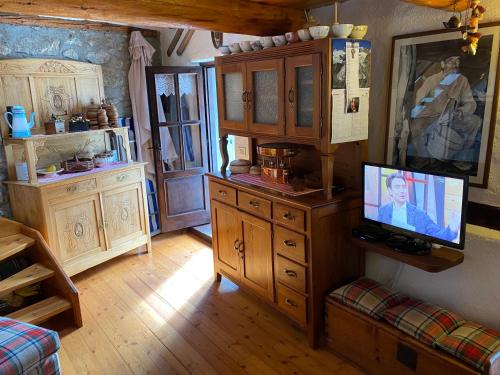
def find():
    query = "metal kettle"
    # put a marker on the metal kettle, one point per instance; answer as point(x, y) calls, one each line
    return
point(21, 128)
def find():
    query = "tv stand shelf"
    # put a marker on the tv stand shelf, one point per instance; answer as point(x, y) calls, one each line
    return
point(439, 260)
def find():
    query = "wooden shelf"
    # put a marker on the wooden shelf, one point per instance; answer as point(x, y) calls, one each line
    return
point(45, 137)
point(41, 311)
point(441, 258)
point(29, 276)
point(14, 244)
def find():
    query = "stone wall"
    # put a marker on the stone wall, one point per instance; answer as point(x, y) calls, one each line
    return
point(106, 48)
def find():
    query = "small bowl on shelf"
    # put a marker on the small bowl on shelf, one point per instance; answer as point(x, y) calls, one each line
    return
point(266, 42)
point(245, 46)
point(43, 172)
point(292, 37)
point(235, 48)
point(279, 40)
point(359, 31)
point(342, 30)
point(256, 45)
point(224, 50)
point(319, 32)
point(304, 35)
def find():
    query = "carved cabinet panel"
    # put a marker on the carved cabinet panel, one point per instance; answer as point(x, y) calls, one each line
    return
point(78, 229)
point(122, 214)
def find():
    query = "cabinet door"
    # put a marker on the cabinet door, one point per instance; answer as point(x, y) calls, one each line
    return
point(257, 264)
point(123, 214)
point(227, 235)
point(77, 229)
point(303, 96)
point(231, 96)
point(265, 96)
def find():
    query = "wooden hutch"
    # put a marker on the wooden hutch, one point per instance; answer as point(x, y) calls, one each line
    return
point(288, 250)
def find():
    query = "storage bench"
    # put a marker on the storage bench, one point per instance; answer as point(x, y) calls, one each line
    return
point(380, 348)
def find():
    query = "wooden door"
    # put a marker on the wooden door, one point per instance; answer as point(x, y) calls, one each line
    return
point(265, 96)
point(232, 96)
point(256, 255)
point(78, 229)
point(227, 235)
point(303, 96)
point(177, 109)
point(122, 210)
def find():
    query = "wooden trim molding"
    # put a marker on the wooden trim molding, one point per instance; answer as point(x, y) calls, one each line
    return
point(483, 215)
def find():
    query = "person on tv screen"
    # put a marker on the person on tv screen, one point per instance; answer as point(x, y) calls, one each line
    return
point(402, 214)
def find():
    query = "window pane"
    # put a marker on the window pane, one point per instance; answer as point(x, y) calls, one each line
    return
point(233, 91)
point(191, 137)
point(165, 97)
point(265, 97)
point(170, 148)
point(304, 95)
point(188, 91)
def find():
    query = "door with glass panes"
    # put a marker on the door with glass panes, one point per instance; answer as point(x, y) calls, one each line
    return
point(177, 111)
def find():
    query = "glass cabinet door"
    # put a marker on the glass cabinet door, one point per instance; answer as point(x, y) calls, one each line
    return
point(231, 94)
point(303, 96)
point(265, 102)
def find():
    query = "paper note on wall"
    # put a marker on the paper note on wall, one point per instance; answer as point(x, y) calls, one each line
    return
point(350, 123)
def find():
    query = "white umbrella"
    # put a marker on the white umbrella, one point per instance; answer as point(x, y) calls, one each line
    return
point(141, 53)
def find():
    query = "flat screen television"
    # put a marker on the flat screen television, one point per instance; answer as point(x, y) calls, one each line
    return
point(431, 207)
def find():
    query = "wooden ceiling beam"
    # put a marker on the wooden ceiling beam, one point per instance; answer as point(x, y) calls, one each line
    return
point(237, 16)
point(447, 5)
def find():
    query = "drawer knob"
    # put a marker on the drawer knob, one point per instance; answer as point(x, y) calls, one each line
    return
point(289, 243)
point(254, 204)
point(222, 193)
point(71, 188)
point(290, 273)
point(289, 302)
point(288, 216)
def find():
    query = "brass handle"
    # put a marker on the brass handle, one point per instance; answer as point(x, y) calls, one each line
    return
point(291, 96)
point(249, 99)
point(105, 223)
point(241, 249)
point(222, 193)
point(71, 189)
point(235, 244)
point(121, 177)
point(290, 273)
point(254, 204)
point(289, 243)
point(288, 216)
point(289, 302)
point(244, 96)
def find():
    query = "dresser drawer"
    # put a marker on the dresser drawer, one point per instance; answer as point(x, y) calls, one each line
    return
point(290, 274)
point(253, 204)
point(293, 304)
point(72, 189)
point(290, 216)
point(222, 193)
point(290, 244)
point(123, 177)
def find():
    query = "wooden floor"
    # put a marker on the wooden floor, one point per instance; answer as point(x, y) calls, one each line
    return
point(161, 313)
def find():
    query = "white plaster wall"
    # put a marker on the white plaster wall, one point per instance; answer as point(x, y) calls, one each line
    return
point(472, 288)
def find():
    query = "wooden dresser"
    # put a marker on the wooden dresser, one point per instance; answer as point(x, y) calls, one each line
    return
point(289, 252)
point(86, 219)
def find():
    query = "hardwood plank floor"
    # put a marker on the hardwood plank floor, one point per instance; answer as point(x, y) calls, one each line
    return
point(162, 313)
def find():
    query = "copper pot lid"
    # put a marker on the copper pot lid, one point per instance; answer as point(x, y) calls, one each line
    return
point(277, 149)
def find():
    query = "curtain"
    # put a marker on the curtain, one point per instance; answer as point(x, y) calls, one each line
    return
point(141, 53)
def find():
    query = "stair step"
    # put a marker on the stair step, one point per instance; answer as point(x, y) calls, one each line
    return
point(30, 275)
point(41, 311)
point(13, 244)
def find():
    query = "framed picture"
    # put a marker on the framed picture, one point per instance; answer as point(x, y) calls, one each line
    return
point(443, 103)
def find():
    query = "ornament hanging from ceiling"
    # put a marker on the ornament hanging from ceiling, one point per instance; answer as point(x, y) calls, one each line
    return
point(471, 33)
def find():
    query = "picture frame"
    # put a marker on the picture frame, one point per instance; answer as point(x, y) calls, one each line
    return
point(443, 103)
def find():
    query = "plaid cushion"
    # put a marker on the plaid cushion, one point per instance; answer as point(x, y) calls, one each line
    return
point(25, 347)
point(423, 321)
point(368, 296)
point(472, 343)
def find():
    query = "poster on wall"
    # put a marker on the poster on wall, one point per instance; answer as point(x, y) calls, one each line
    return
point(443, 103)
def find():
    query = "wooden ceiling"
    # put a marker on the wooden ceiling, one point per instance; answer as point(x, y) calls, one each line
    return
point(256, 17)
point(442, 4)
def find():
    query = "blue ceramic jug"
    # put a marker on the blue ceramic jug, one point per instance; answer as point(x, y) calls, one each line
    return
point(20, 126)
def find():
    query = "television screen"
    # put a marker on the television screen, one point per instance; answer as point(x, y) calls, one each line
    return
point(428, 206)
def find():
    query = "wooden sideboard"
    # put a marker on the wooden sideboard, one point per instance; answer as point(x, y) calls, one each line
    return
point(289, 252)
point(87, 219)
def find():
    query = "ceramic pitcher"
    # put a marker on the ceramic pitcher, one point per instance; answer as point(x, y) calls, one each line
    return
point(21, 128)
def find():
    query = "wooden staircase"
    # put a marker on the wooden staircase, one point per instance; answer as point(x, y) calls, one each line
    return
point(60, 295)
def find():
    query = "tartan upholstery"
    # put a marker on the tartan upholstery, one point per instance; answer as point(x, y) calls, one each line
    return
point(424, 321)
point(27, 349)
point(472, 343)
point(368, 296)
